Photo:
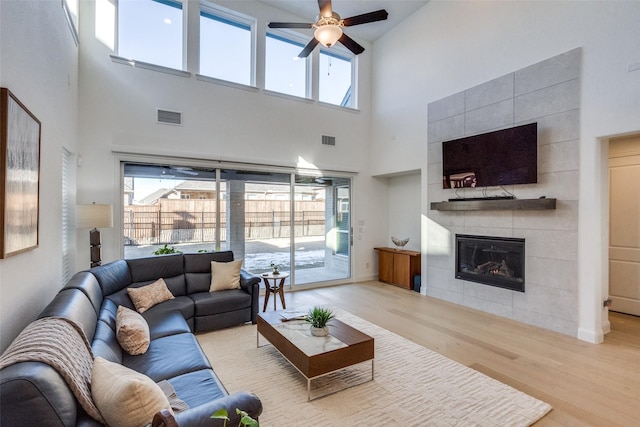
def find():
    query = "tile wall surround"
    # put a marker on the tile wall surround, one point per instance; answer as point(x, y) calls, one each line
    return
point(547, 93)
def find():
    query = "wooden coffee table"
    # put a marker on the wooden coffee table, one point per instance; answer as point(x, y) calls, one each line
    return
point(315, 357)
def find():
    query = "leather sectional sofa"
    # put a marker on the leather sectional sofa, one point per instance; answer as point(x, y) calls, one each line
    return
point(33, 393)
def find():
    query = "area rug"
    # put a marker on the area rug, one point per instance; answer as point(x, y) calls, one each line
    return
point(412, 386)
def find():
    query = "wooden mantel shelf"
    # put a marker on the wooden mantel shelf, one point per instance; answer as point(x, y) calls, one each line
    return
point(495, 205)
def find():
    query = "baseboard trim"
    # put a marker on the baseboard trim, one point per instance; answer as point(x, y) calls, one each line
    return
point(594, 337)
point(366, 278)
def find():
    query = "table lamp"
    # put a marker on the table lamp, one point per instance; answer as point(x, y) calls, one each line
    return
point(94, 216)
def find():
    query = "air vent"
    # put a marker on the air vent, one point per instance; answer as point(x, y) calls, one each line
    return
point(328, 140)
point(169, 117)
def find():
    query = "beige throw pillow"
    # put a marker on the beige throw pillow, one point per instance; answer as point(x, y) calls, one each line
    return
point(124, 397)
point(225, 275)
point(132, 331)
point(147, 296)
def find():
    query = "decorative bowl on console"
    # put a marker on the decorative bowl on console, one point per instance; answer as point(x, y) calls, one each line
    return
point(400, 243)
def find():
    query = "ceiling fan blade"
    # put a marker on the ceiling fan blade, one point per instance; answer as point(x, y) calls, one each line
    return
point(308, 48)
point(289, 25)
point(351, 44)
point(325, 8)
point(378, 15)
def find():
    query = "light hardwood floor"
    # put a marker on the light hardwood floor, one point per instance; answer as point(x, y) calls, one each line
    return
point(587, 384)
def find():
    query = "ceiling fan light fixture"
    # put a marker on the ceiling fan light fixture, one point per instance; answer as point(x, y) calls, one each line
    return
point(328, 35)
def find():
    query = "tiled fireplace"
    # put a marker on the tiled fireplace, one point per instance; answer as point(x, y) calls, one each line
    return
point(547, 93)
point(494, 261)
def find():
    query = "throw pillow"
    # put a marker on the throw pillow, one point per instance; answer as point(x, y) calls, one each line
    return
point(132, 331)
point(225, 275)
point(146, 297)
point(124, 397)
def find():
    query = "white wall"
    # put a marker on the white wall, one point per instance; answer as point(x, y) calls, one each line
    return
point(404, 209)
point(117, 113)
point(447, 47)
point(38, 63)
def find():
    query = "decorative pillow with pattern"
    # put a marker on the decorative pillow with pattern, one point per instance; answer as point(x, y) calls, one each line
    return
point(225, 275)
point(132, 331)
point(146, 297)
point(124, 397)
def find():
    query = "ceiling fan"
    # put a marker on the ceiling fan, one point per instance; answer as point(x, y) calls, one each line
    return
point(328, 28)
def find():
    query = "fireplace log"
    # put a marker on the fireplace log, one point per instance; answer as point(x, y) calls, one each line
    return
point(495, 268)
point(487, 266)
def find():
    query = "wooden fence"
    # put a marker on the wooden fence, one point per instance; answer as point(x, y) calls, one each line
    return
point(194, 221)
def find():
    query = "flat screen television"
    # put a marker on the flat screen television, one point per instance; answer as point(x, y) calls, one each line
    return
point(503, 157)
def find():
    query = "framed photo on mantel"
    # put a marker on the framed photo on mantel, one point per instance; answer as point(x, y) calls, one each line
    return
point(19, 177)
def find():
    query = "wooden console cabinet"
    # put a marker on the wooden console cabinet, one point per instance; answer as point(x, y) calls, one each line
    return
point(398, 267)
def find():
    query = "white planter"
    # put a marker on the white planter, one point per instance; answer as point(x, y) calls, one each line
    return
point(319, 332)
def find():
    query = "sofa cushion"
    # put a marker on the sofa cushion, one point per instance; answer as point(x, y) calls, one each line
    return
point(75, 305)
point(201, 262)
point(105, 343)
point(225, 275)
point(184, 305)
point(214, 322)
point(197, 269)
point(34, 394)
point(207, 303)
point(168, 357)
point(124, 397)
point(113, 276)
point(88, 284)
point(176, 284)
point(147, 296)
point(198, 387)
point(132, 331)
point(164, 323)
point(170, 267)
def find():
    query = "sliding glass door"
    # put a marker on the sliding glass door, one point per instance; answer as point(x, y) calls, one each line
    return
point(257, 216)
point(322, 238)
point(301, 223)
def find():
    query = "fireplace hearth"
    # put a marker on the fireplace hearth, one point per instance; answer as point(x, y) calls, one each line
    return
point(494, 261)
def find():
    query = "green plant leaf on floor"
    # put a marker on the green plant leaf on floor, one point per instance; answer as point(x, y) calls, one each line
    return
point(245, 419)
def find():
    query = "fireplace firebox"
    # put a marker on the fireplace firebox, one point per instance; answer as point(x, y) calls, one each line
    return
point(495, 261)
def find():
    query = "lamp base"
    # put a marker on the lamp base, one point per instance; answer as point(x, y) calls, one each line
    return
point(95, 247)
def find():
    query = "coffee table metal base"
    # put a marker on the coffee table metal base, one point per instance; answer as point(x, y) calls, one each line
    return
point(309, 379)
point(348, 347)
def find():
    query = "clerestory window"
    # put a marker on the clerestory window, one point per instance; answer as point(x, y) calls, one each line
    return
point(336, 76)
point(226, 45)
point(151, 31)
point(284, 71)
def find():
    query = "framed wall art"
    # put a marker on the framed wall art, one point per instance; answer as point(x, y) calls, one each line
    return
point(20, 176)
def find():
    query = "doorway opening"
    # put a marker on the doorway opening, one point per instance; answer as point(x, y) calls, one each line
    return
point(624, 224)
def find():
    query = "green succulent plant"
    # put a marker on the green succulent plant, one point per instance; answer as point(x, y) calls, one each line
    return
point(319, 316)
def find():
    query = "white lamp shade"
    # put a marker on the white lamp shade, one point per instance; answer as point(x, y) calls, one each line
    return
point(94, 216)
point(328, 35)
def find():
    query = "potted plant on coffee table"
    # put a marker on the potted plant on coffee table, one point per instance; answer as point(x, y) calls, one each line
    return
point(318, 317)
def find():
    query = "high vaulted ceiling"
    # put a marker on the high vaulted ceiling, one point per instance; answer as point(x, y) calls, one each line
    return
point(398, 11)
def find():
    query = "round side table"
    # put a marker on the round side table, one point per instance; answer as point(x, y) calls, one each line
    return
point(272, 286)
